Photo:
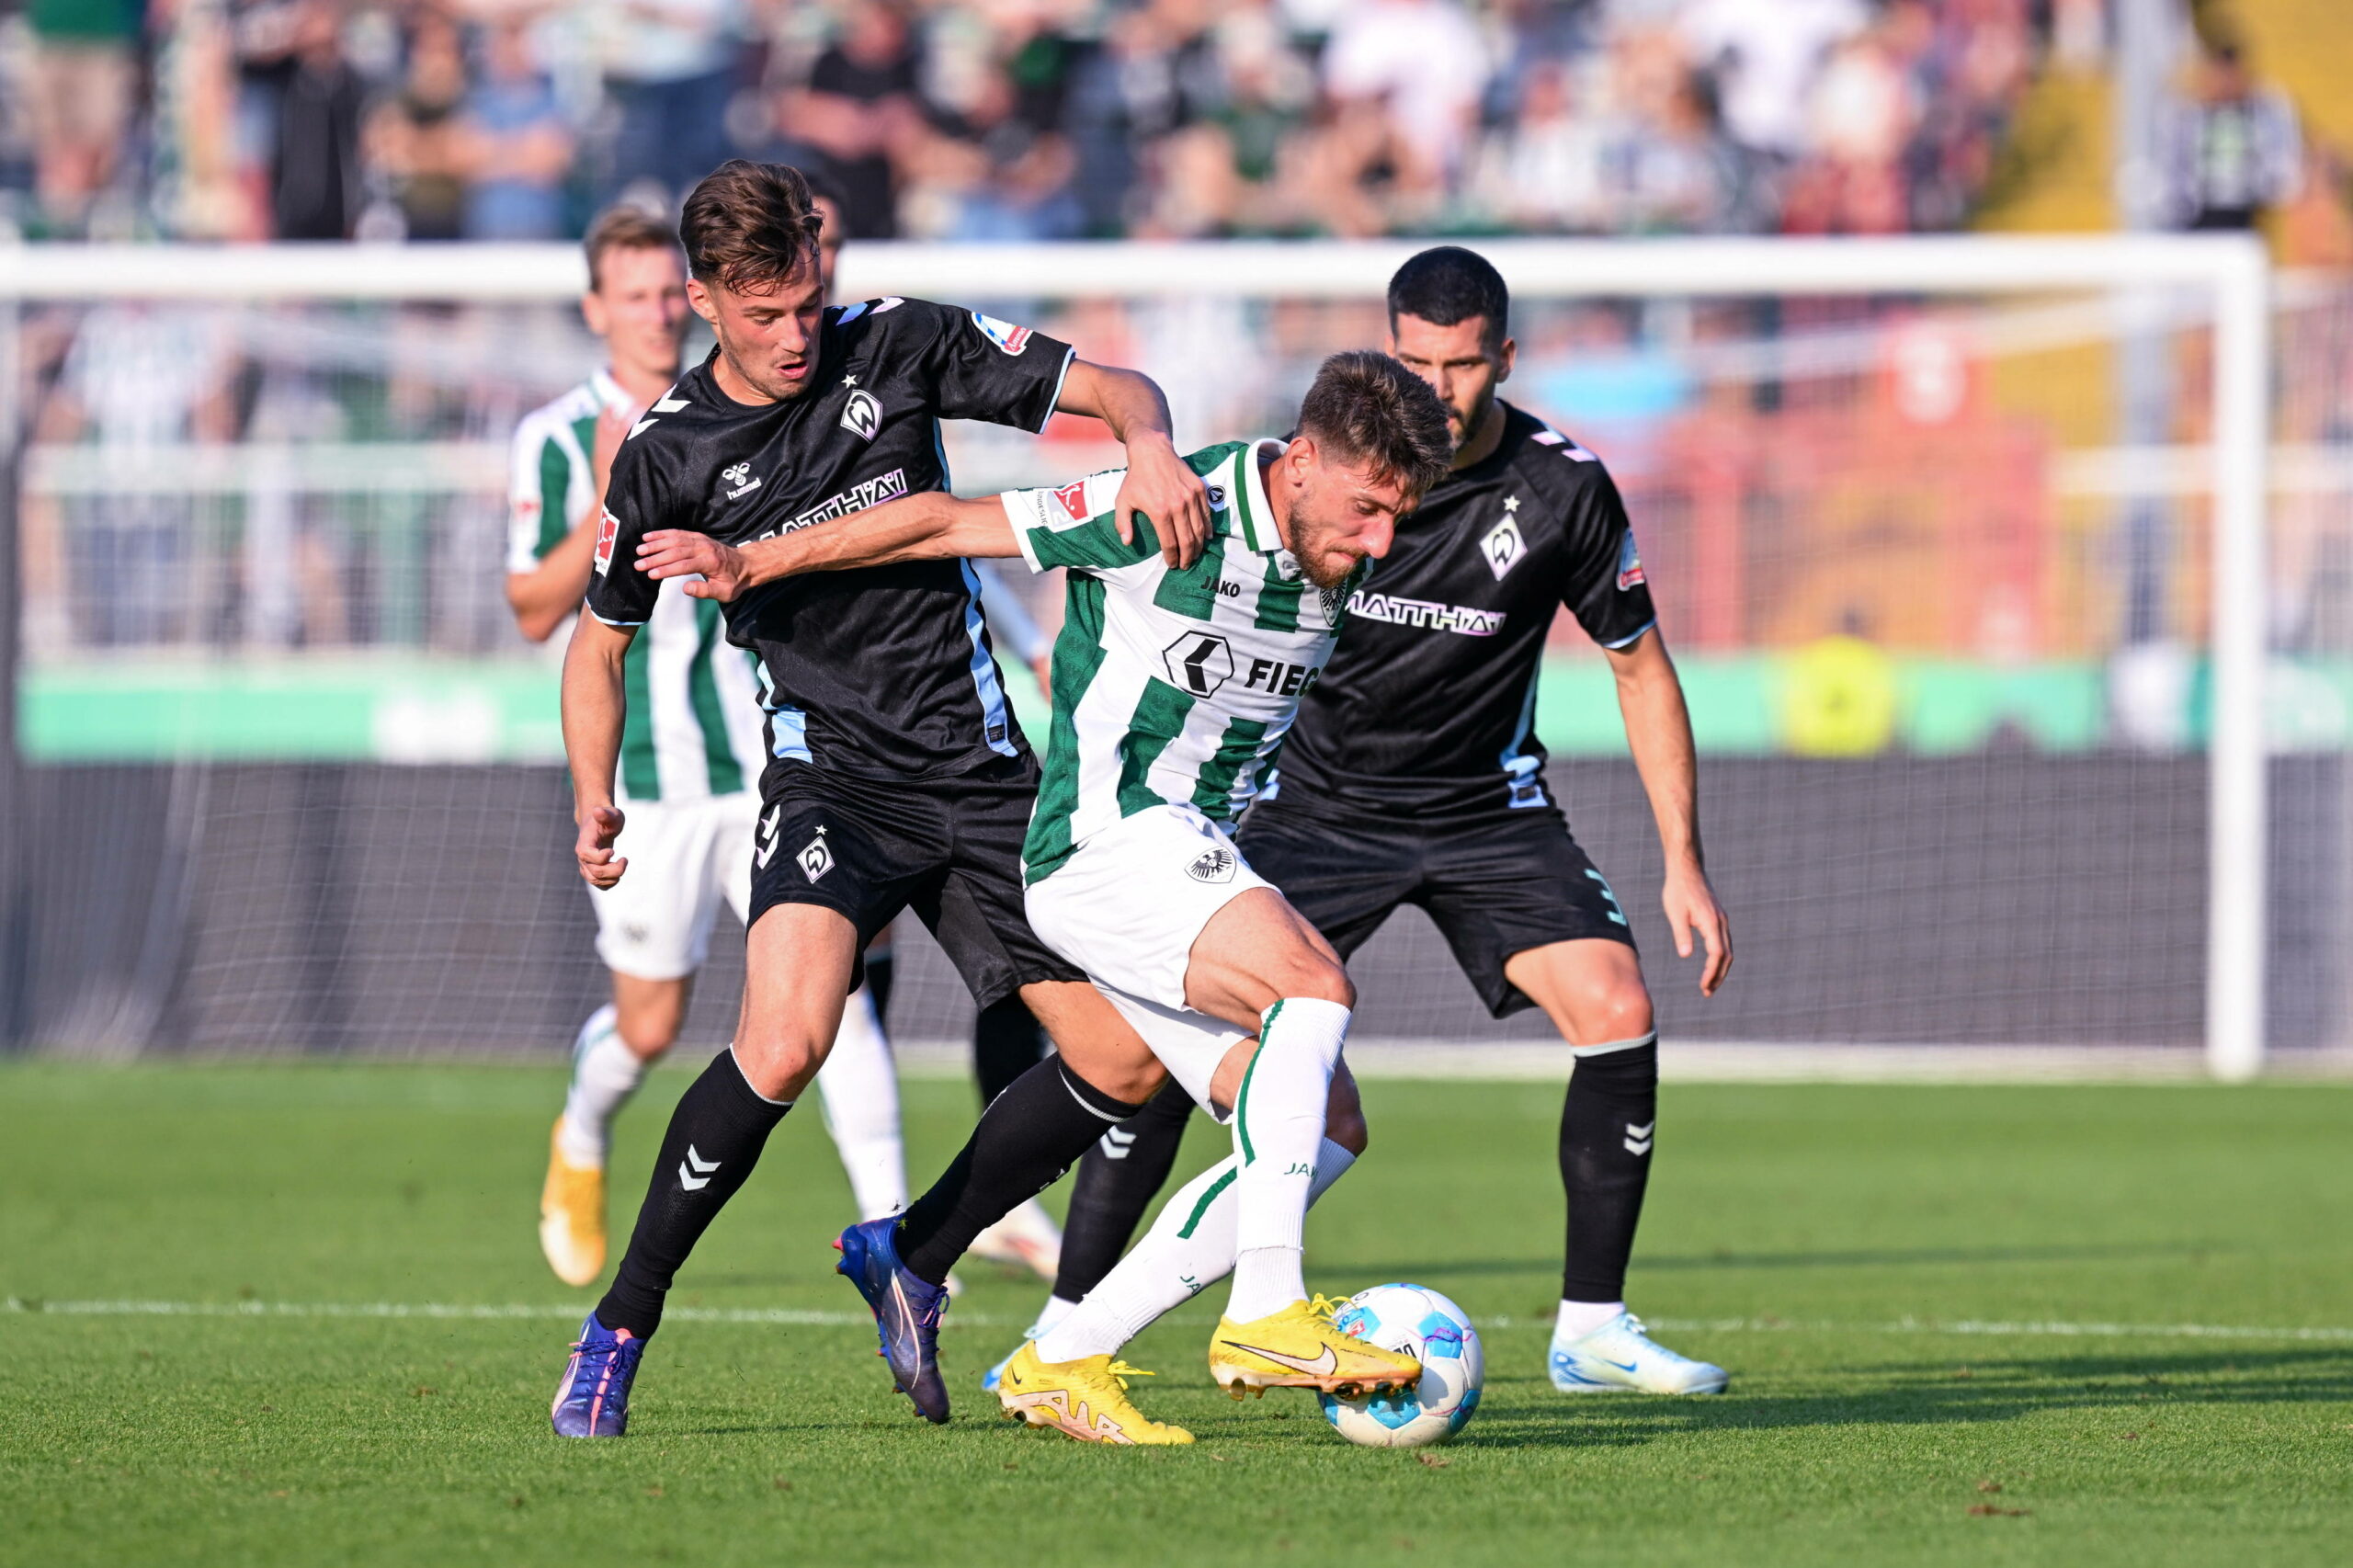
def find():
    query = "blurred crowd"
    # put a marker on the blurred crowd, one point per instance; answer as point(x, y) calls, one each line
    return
point(431, 120)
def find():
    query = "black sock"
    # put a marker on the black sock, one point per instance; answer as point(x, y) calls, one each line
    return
point(1007, 1043)
point(880, 968)
point(714, 1139)
point(1027, 1138)
point(1605, 1130)
point(1117, 1182)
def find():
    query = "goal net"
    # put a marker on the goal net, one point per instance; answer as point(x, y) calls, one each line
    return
point(2015, 728)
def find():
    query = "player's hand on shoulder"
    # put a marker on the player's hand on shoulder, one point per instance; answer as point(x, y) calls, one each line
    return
point(1162, 487)
point(681, 552)
point(599, 827)
point(1690, 905)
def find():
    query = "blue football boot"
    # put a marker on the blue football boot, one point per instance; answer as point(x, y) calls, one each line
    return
point(593, 1399)
point(906, 1311)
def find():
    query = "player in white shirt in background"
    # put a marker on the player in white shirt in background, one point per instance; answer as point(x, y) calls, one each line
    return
point(690, 766)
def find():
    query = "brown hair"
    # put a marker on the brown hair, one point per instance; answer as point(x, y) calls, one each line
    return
point(623, 227)
point(1366, 408)
point(749, 226)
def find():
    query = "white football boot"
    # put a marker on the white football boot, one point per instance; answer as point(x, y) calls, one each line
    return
point(1620, 1356)
point(1027, 1238)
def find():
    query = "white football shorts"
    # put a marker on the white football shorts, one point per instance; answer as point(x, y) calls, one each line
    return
point(1127, 907)
point(685, 858)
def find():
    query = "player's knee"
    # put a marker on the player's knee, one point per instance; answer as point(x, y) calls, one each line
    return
point(1614, 1013)
point(1132, 1081)
point(1309, 974)
point(648, 1046)
point(780, 1065)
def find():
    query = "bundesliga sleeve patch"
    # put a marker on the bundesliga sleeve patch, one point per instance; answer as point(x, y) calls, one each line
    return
point(608, 531)
point(1003, 334)
point(1073, 500)
point(1630, 564)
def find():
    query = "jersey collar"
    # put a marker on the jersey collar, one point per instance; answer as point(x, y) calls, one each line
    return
point(1258, 519)
point(609, 393)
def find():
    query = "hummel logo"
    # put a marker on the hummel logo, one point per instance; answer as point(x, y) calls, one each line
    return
point(665, 404)
point(740, 476)
point(1323, 1366)
point(694, 1171)
point(1638, 1138)
point(767, 836)
point(1116, 1144)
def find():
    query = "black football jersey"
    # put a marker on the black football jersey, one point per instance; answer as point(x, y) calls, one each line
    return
point(888, 671)
point(1427, 708)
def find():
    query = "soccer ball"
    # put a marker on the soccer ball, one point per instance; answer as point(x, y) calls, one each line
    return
point(1434, 1331)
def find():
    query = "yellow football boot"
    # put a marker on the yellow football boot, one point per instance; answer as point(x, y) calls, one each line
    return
point(1087, 1399)
point(572, 1217)
point(1302, 1347)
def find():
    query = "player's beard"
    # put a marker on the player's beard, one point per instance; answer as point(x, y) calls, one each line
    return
point(1319, 562)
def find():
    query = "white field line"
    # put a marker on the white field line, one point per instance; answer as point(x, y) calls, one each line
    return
point(793, 1317)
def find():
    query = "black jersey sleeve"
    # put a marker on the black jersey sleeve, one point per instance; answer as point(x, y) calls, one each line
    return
point(620, 594)
point(1604, 585)
point(989, 369)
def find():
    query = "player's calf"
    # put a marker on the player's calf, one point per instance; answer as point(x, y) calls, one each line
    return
point(1258, 950)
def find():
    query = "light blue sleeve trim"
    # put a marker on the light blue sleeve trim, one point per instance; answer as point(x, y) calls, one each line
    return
point(1054, 405)
point(1632, 638)
point(1009, 621)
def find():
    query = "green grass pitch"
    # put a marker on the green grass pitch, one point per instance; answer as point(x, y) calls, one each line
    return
point(1966, 1325)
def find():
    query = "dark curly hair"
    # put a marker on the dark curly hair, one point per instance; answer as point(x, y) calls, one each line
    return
point(749, 226)
point(1367, 408)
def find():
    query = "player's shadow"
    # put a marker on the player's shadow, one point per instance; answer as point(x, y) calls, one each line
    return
point(2137, 1390)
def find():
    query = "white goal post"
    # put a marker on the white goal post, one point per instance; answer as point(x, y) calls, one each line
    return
point(2232, 271)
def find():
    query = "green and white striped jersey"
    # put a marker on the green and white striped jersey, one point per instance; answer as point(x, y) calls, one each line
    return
point(693, 727)
point(1170, 687)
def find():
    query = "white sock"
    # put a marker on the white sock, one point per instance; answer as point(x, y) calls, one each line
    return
point(1056, 1309)
point(605, 1073)
point(1578, 1319)
point(1278, 1131)
point(1189, 1248)
point(858, 1089)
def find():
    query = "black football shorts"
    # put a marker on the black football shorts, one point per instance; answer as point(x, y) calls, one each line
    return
point(1495, 885)
point(948, 848)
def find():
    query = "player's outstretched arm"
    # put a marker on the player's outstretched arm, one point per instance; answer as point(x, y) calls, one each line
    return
point(593, 703)
point(1658, 728)
point(930, 527)
point(544, 598)
point(1159, 485)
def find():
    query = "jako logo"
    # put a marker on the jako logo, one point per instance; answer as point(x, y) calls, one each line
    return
point(739, 476)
